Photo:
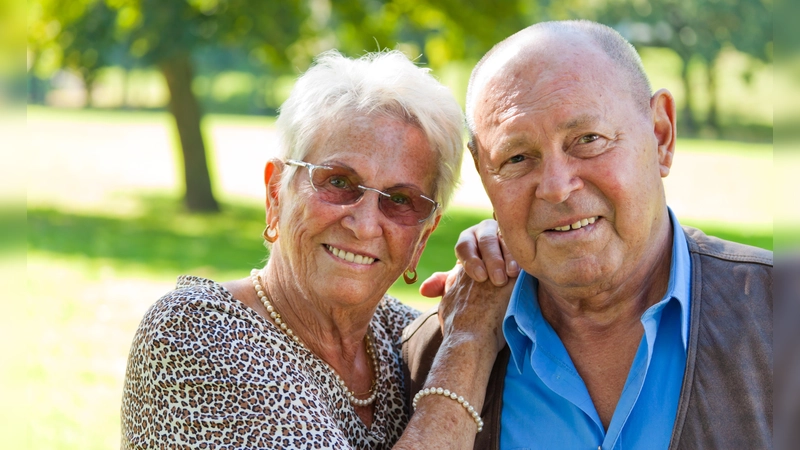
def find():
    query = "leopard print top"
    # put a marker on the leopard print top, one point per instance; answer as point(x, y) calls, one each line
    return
point(206, 371)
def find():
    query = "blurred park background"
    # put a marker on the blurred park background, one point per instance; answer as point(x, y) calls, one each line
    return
point(149, 122)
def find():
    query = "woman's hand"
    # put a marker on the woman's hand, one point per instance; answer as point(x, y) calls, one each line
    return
point(474, 310)
point(483, 254)
point(470, 315)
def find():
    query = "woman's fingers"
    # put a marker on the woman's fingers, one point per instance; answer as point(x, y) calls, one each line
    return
point(512, 268)
point(471, 308)
point(482, 253)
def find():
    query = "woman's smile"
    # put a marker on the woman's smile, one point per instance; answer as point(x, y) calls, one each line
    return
point(350, 256)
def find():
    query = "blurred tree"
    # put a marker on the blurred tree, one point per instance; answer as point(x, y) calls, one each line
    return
point(445, 30)
point(695, 29)
point(88, 43)
point(166, 33)
point(75, 35)
point(80, 34)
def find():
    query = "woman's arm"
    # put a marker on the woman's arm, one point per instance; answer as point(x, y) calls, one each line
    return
point(471, 314)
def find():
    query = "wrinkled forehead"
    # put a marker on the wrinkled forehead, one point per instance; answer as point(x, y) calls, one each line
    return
point(368, 144)
point(543, 73)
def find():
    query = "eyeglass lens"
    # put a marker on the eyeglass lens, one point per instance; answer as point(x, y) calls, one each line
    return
point(342, 186)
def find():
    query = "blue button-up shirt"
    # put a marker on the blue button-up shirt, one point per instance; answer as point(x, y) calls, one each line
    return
point(545, 402)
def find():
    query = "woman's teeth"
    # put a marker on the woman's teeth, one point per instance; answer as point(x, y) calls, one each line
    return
point(350, 257)
point(576, 225)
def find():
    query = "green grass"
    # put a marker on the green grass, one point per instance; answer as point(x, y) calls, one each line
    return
point(91, 278)
point(737, 148)
point(94, 267)
point(163, 239)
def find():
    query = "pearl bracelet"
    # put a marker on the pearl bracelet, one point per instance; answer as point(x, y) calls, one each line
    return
point(452, 395)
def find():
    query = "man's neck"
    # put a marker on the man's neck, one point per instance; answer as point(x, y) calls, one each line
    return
point(601, 328)
point(611, 303)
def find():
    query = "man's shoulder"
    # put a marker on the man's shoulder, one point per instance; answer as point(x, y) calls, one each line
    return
point(724, 250)
point(423, 327)
point(421, 341)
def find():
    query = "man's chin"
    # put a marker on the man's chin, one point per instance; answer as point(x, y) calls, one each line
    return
point(583, 272)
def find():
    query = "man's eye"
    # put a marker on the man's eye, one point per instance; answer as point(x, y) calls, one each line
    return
point(516, 159)
point(588, 138)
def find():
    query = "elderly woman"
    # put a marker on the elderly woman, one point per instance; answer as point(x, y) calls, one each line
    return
point(305, 353)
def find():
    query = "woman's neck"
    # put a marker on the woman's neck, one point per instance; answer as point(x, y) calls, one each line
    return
point(334, 334)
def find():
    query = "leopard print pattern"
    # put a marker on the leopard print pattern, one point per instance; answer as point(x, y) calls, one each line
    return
point(206, 371)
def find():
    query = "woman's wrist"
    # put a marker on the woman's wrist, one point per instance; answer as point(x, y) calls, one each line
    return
point(452, 395)
point(463, 364)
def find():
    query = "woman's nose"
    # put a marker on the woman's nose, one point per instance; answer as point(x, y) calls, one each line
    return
point(364, 216)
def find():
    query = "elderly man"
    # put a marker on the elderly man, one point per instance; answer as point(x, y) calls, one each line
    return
point(624, 330)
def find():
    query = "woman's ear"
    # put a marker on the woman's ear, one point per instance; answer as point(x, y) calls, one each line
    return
point(272, 182)
point(664, 128)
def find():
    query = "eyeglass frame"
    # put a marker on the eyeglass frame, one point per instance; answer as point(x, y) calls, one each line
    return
point(311, 167)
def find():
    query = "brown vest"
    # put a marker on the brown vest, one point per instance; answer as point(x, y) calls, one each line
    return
point(726, 397)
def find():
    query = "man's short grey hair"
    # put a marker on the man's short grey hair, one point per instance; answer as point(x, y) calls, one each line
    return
point(382, 84)
point(621, 52)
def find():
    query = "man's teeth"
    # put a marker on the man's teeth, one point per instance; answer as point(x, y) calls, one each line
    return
point(576, 225)
point(351, 257)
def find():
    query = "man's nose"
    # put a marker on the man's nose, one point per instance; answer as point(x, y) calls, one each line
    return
point(558, 179)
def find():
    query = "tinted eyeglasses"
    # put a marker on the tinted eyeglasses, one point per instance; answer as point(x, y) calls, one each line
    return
point(340, 185)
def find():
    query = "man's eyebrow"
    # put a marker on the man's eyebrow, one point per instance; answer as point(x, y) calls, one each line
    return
point(510, 145)
point(578, 122)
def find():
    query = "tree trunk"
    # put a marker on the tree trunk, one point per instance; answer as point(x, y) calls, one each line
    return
point(713, 118)
point(184, 107)
point(126, 76)
point(35, 89)
point(88, 85)
point(689, 124)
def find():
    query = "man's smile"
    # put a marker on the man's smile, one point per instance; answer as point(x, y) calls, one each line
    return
point(576, 225)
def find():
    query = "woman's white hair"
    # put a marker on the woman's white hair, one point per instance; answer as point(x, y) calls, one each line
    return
point(385, 84)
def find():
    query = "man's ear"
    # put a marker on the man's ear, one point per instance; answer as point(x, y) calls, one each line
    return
point(424, 240)
point(662, 104)
point(472, 146)
point(273, 172)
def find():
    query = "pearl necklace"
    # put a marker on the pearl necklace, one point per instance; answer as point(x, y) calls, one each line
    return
point(276, 317)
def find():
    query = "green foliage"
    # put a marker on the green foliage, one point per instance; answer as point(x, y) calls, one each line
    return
point(153, 30)
point(437, 31)
point(692, 27)
point(160, 29)
point(695, 30)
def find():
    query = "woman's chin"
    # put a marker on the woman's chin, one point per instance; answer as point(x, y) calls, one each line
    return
point(351, 292)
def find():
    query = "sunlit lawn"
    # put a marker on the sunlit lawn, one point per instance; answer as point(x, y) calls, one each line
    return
point(105, 244)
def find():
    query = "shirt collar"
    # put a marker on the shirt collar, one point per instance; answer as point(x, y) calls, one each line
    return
point(680, 276)
point(523, 316)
